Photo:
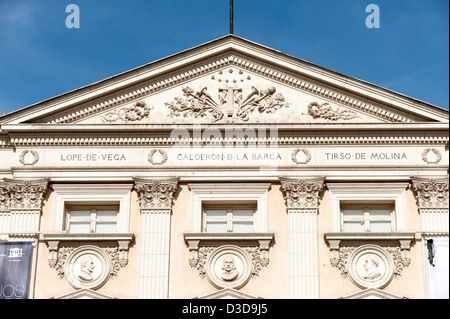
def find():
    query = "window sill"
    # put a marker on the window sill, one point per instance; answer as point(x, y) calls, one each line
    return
point(121, 240)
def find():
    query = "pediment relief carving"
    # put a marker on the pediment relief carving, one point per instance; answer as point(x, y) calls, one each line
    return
point(231, 86)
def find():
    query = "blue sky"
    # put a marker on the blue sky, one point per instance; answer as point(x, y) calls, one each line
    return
point(41, 58)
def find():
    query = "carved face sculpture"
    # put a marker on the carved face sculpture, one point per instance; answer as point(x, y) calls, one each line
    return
point(87, 268)
point(371, 268)
point(229, 269)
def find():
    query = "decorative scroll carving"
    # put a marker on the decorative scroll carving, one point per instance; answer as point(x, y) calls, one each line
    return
point(4, 197)
point(156, 194)
point(344, 252)
point(60, 246)
point(265, 101)
point(344, 246)
point(201, 103)
point(302, 194)
point(197, 104)
point(431, 193)
point(204, 252)
point(201, 245)
point(133, 113)
point(325, 111)
point(22, 194)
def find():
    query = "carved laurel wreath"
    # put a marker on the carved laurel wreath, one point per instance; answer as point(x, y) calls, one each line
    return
point(304, 151)
point(152, 152)
point(435, 151)
point(35, 157)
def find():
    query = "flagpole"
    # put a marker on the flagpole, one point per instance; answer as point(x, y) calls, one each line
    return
point(231, 16)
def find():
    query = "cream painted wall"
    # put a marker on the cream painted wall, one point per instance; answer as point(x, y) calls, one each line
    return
point(409, 284)
point(49, 285)
point(273, 281)
point(185, 281)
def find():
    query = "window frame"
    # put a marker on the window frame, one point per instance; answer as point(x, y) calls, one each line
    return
point(68, 195)
point(367, 219)
point(229, 215)
point(365, 194)
point(92, 220)
point(233, 194)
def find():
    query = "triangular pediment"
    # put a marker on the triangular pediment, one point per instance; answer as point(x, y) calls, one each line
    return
point(229, 80)
point(373, 293)
point(85, 294)
point(228, 293)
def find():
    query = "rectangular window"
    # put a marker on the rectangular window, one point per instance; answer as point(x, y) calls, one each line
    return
point(228, 220)
point(373, 218)
point(85, 219)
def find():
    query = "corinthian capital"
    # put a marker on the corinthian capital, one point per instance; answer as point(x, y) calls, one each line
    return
point(156, 193)
point(431, 193)
point(302, 194)
point(24, 194)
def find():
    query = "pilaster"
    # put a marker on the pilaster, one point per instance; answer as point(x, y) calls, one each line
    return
point(155, 198)
point(433, 201)
point(21, 205)
point(302, 202)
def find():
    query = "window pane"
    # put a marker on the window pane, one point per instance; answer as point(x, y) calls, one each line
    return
point(106, 214)
point(242, 214)
point(380, 227)
point(242, 227)
point(80, 228)
point(354, 227)
point(103, 228)
point(80, 214)
point(380, 213)
point(216, 227)
point(216, 213)
point(353, 213)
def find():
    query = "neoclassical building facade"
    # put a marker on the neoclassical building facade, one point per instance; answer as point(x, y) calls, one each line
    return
point(229, 170)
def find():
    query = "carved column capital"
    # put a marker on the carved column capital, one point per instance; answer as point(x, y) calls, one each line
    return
point(431, 193)
point(302, 193)
point(156, 193)
point(23, 194)
point(4, 196)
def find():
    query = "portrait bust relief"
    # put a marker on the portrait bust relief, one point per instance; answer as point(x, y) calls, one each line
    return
point(370, 266)
point(229, 267)
point(87, 267)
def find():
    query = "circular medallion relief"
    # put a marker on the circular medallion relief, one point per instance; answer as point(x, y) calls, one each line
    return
point(370, 266)
point(87, 267)
point(229, 267)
